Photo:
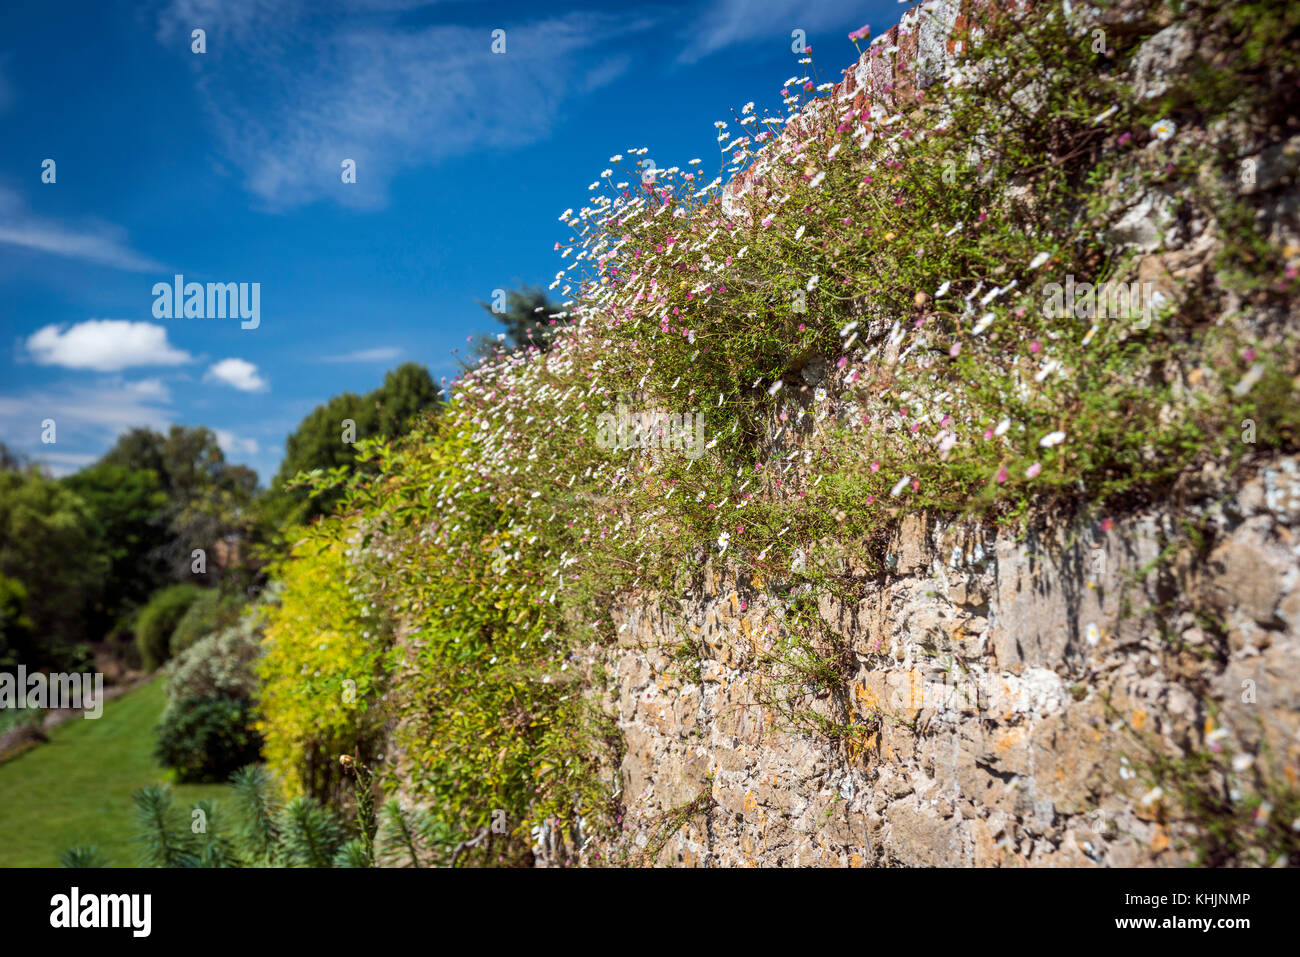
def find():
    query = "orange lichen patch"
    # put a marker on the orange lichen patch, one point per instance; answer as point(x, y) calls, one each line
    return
point(1010, 738)
point(915, 690)
point(1159, 839)
point(858, 745)
point(1139, 720)
point(856, 860)
point(866, 698)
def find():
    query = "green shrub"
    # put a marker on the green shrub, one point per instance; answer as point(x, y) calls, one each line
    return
point(208, 739)
point(159, 618)
point(218, 666)
point(15, 626)
point(263, 830)
point(210, 612)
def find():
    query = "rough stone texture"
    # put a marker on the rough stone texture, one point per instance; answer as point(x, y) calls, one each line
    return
point(1005, 688)
point(992, 660)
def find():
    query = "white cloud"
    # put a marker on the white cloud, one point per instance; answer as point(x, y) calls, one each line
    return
point(60, 464)
point(763, 22)
point(104, 345)
point(234, 445)
point(147, 389)
point(381, 354)
point(238, 374)
point(101, 243)
point(377, 91)
point(85, 416)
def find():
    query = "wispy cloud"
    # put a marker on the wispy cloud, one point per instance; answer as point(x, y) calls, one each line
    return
point(384, 95)
point(730, 22)
point(238, 374)
point(104, 345)
point(101, 243)
point(86, 417)
point(382, 354)
point(233, 444)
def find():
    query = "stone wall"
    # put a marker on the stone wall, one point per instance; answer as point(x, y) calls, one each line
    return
point(1008, 690)
point(1023, 685)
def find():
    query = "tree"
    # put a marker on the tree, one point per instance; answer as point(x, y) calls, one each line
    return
point(16, 645)
point(49, 541)
point(324, 440)
point(407, 390)
point(530, 318)
point(208, 497)
point(130, 509)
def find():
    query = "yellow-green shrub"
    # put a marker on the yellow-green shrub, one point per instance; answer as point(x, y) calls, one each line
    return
point(320, 674)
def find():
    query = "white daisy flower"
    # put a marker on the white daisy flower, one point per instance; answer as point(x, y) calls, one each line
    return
point(1164, 130)
point(1052, 439)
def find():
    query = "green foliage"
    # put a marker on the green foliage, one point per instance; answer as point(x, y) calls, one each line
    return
point(262, 833)
point(322, 675)
point(159, 618)
point(16, 640)
point(209, 613)
point(222, 665)
point(207, 739)
point(530, 319)
point(83, 856)
point(208, 498)
point(163, 834)
point(318, 442)
point(259, 810)
point(50, 541)
point(130, 509)
point(866, 335)
point(309, 834)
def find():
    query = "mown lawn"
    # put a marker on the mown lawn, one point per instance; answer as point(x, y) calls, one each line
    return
point(76, 789)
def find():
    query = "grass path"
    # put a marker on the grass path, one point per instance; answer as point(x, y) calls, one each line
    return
point(76, 789)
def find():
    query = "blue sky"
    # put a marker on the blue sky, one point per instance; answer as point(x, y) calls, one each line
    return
point(225, 167)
